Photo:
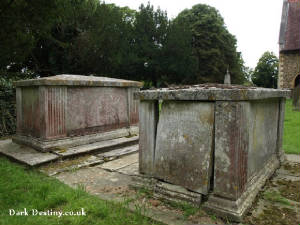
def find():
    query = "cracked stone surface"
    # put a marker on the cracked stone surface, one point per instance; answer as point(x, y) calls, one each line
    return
point(121, 163)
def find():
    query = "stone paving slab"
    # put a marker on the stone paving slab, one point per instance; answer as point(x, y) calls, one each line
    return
point(293, 158)
point(105, 184)
point(114, 186)
point(32, 157)
point(289, 168)
point(119, 152)
point(118, 164)
point(112, 180)
point(130, 170)
point(94, 176)
point(97, 146)
point(25, 154)
point(70, 165)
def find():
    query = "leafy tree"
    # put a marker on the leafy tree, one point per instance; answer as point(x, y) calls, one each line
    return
point(179, 64)
point(51, 54)
point(102, 48)
point(150, 29)
point(213, 45)
point(266, 71)
point(22, 24)
point(248, 72)
point(91, 37)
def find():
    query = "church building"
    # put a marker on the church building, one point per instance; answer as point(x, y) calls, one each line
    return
point(289, 45)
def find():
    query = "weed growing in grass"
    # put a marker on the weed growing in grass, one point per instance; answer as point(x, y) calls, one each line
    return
point(213, 217)
point(144, 192)
point(275, 196)
point(187, 209)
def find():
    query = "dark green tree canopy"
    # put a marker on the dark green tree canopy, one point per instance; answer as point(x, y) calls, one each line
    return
point(266, 72)
point(150, 31)
point(213, 45)
point(91, 37)
point(22, 24)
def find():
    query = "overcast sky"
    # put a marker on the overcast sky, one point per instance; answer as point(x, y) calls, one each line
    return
point(255, 23)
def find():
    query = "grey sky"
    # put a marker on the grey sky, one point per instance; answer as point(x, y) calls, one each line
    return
point(255, 23)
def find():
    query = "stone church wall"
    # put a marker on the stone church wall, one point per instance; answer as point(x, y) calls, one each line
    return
point(289, 68)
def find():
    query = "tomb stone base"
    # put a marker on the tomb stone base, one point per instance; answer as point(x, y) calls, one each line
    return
point(46, 145)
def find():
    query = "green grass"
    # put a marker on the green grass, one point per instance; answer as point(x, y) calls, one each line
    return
point(275, 196)
point(186, 208)
point(27, 188)
point(291, 135)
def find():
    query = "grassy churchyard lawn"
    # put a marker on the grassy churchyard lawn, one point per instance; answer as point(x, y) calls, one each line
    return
point(291, 135)
point(22, 187)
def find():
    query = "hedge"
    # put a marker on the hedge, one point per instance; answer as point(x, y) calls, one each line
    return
point(8, 101)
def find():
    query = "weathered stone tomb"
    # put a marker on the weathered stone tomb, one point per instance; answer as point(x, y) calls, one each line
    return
point(221, 142)
point(70, 110)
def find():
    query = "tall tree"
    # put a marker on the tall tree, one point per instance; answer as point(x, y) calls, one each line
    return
point(213, 45)
point(266, 71)
point(91, 37)
point(51, 54)
point(150, 37)
point(22, 24)
point(178, 63)
point(101, 49)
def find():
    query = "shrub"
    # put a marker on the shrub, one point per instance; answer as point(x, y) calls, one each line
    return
point(8, 100)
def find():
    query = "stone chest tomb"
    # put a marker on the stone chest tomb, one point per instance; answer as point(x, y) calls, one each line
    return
point(70, 110)
point(219, 141)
